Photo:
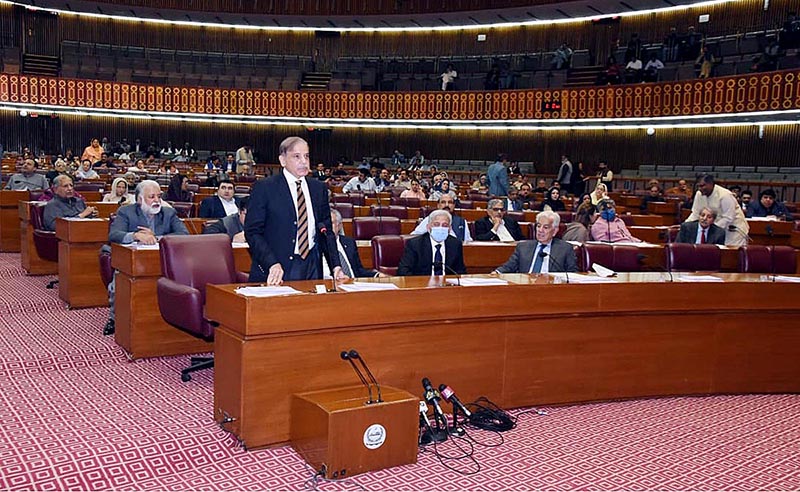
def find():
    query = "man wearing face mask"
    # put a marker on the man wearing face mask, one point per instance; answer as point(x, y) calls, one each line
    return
point(434, 253)
point(546, 254)
point(608, 227)
point(142, 222)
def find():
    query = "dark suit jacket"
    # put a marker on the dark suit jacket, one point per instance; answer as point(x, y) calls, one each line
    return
point(483, 229)
point(130, 217)
point(562, 257)
point(418, 256)
point(516, 205)
point(211, 208)
point(229, 225)
point(688, 233)
point(271, 224)
point(351, 250)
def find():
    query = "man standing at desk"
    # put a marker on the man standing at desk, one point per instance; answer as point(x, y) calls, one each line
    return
point(434, 253)
point(287, 216)
point(546, 254)
point(721, 201)
point(27, 179)
point(142, 222)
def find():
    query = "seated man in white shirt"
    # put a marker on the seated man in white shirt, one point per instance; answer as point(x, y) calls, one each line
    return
point(347, 251)
point(222, 205)
point(360, 183)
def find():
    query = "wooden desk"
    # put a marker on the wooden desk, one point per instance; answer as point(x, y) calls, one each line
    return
point(79, 281)
point(770, 231)
point(31, 261)
point(9, 219)
point(576, 343)
point(140, 329)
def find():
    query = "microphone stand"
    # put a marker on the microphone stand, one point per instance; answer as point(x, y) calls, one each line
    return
point(558, 264)
point(346, 356)
point(354, 355)
point(446, 268)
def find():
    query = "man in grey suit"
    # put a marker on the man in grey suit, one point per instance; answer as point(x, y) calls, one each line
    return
point(143, 222)
point(546, 254)
point(703, 230)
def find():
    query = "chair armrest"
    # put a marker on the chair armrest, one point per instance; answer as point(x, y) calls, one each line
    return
point(180, 305)
point(242, 277)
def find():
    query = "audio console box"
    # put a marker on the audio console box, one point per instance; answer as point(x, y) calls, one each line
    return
point(337, 433)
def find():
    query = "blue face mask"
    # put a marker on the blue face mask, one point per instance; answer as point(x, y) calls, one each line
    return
point(608, 214)
point(439, 234)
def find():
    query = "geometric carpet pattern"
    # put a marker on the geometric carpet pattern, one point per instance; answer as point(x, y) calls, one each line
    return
point(76, 414)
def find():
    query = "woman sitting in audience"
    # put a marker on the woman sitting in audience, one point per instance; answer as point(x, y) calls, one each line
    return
point(609, 227)
point(178, 190)
point(599, 194)
point(481, 185)
point(553, 201)
point(119, 193)
point(578, 229)
point(86, 171)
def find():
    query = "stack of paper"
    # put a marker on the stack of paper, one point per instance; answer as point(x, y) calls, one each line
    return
point(472, 282)
point(267, 291)
point(365, 286)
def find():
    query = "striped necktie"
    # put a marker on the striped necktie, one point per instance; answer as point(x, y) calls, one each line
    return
point(302, 222)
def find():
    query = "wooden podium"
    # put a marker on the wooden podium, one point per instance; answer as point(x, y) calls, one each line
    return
point(337, 433)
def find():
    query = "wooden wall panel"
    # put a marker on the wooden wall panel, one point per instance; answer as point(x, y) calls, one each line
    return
point(722, 95)
point(735, 146)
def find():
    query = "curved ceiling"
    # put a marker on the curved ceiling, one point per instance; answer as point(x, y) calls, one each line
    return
point(547, 13)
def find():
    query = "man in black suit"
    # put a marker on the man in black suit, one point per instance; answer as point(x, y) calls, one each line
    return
point(513, 203)
point(222, 205)
point(546, 254)
point(702, 230)
point(320, 172)
point(232, 225)
point(287, 219)
point(347, 251)
point(434, 253)
point(496, 226)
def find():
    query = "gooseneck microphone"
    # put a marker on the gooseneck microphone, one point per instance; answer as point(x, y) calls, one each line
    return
point(446, 268)
point(544, 255)
point(346, 356)
point(354, 355)
point(450, 396)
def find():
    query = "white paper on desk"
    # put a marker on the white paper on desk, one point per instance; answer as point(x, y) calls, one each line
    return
point(475, 282)
point(82, 219)
point(784, 278)
point(365, 286)
point(603, 271)
point(240, 245)
point(267, 291)
point(147, 246)
point(580, 278)
point(698, 278)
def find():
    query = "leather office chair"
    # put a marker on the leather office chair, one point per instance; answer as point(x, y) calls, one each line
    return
point(602, 254)
point(44, 241)
point(389, 211)
point(408, 202)
point(757, 258)
point(346, 209)
point(466, 204)
point(184, 210)
point(365, 228)
point(353, 198)
point(627, 258)
point(387, 251)
point(687, 257)
point(182, 289)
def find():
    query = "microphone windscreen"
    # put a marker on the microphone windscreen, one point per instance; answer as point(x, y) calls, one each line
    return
point(353, 354)
point(344, 355)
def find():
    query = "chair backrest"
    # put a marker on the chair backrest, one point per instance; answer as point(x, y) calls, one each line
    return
point(466, 204)
point(346, 209)
point(184, 259)
point(106, 270)
point(566, 217)
point(398, 211)
point(90, 186)
point(408, 201)
point(627, 219)
point(37, 215)
point(784, 260)
point(688, 257)
point(627, 258)
point(602, 254)
point(757, 258)
point(184, 210)
point(365, 228)
point(387, 251)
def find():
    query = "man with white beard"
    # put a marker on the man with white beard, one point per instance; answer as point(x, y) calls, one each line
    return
point(142, 222)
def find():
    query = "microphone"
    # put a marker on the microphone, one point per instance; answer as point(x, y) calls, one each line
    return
point(770, 232)
point(668, 269)
point(424, 421)
point(358, 187)
point(354, 355)
point(446, 268)
point(433, 397)
point(732, 228)
point(346, 356)
point(450, 396)
point(544, 255)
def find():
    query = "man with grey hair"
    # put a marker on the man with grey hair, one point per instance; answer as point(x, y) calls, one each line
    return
point(27, 179)
point(546, 254)
point(142, 222)
point(496, 226)
point(65, 204)
point(703, 230)
point(347, 251)
point(434, 253)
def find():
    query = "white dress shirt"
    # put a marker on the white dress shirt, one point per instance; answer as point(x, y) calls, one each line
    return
point(545, 260)
point(230, 206)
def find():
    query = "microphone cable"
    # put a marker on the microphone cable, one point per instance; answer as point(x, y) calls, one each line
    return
point(444, 459)
point(488, 416)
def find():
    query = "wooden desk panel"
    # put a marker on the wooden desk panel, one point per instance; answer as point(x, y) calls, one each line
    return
point(10, 220)
point(31, 261)
point(79, 281)
point(577, 342)
point(777, 232)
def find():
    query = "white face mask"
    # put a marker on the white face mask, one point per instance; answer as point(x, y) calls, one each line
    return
point(439, 234)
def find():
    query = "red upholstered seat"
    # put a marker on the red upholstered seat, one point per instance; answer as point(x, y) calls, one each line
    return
point(387, 251)
point(757, 258)
point(365, 228)
point(409, 202)
point(600, 253)
point(620, 258)
point(44, 241)
point(398, 211)
point(687, 257)
point(346, 209)
point(354, 198)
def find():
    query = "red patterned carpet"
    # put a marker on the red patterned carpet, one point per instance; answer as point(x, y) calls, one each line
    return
point(77, 415)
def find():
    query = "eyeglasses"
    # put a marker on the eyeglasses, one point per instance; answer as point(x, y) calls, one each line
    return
point(497, 209)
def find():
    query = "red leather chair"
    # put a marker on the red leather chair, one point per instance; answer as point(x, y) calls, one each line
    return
point(601, 253)
point(353, 198)
point(757, 258)
point(566, 217)
point(687, 257)
point(182, 289)
point(467, 204)
point(346, 209)
point(627, 258)
point(408, 202)
point(398, 211)
point(387, 251)
point(365, 228)
point(184, 210)
point(44, 241)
